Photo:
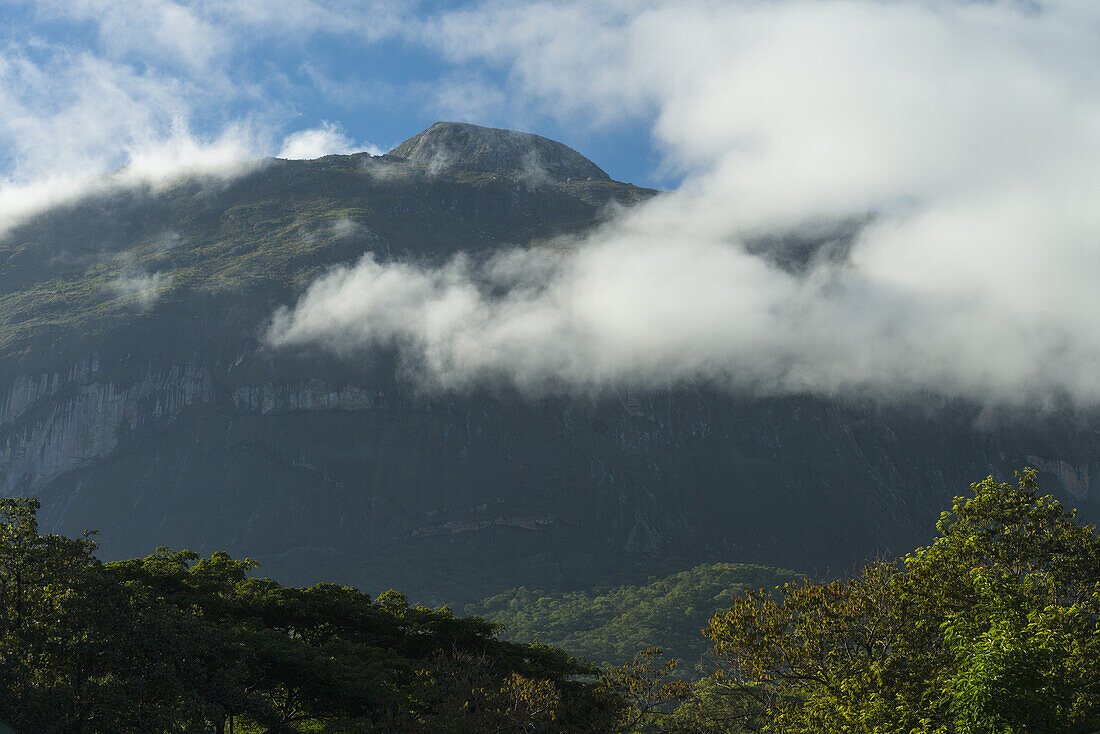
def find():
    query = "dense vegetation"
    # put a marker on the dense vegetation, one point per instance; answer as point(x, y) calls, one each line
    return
point(172, 643)
point(610, 625)
point(994, 628)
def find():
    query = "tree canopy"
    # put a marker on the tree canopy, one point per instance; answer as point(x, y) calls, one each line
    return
point(994, 628)
point(178, 643)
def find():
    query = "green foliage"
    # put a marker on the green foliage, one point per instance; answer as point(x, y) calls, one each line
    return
point(648, 688)
point(178, 643)
point(80, 652)
point(609, 626)
point(992, 629)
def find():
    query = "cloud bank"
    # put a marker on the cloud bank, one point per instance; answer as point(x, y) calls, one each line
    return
point(966, 135)
point(328, 139)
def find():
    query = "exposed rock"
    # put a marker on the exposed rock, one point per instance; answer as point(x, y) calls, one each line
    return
point(1075, 479)
point(450, 145)
point(395, 487)
point(455, 527)
point(86, 420)
point(312, 394)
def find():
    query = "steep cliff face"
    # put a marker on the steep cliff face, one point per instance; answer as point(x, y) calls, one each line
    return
point(55, 423)
point(453, 497)
point(164, 420)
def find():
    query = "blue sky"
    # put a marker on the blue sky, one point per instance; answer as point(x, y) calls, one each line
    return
point(372, 74)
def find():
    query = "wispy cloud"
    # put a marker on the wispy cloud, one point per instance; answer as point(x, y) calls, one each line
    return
point(152, 30)
point(143, 289)
point(154, 89)
point(468, 96)
point(71, 117)
point(205, 35)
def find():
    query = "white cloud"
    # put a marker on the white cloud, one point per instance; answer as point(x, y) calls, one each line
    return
point(162, 160)
point(969, 131)
point(143, 289)
point(345, 227)
point(71, 117)
point(200, 36)
point(163, 88)
point(327, 139)
point(468, 97)
point(159, 30)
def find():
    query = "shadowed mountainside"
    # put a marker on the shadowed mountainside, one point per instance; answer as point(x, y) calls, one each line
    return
point(137, 397)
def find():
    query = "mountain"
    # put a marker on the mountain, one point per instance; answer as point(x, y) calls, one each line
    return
point(137, 396)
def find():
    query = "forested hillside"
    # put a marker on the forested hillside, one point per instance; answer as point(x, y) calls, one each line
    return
point(610, 625)
point(992, 628)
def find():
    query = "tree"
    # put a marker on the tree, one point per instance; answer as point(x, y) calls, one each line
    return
point(647, 687)
point(178, 643)
point(994, 627)
point(82, 652)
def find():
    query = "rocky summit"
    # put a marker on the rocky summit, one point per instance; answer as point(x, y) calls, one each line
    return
point(491, 150)
point(138, 397)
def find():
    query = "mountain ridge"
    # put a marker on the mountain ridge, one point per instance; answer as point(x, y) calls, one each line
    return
point(494, 150)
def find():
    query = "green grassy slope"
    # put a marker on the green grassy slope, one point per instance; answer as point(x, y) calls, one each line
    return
point(258, 239)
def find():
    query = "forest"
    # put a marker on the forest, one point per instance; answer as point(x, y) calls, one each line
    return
point(610, 625)
point(992, 628)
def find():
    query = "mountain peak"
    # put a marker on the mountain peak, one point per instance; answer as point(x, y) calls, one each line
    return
point(492, 150)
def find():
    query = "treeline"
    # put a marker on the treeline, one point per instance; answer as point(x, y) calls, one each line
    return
point(994, 628)
point(175, 643)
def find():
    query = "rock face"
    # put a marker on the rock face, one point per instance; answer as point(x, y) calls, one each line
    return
point(490, 150)
point(170, 423)
point(85, 418)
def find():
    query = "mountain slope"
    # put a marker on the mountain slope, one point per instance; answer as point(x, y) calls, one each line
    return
point(137, 396)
